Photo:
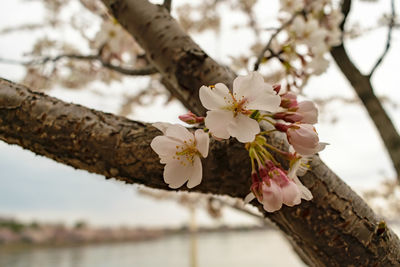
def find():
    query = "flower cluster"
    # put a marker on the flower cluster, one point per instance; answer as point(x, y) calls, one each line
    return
point(309, 30)
point(238, 113)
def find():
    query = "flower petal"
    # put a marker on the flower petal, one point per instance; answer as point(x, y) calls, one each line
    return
point(215, 98)
point(162, 126)
point(305, 192)
point(202, 142)
point(263, 99)
point(272, 197)
point(196, 173)
point(243, 128)
point(243, 84)
point(291, 194)
point(165, 147)
point(179, 132)
point(176, 174)
point(217, 121)
point(259, 94)
point(249, 198)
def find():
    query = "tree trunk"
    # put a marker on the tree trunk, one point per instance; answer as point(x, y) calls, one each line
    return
point(336, 228)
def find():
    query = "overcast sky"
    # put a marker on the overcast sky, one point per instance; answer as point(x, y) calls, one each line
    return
point(35, 187)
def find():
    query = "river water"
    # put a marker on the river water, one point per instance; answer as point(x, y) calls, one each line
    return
point(233, 249)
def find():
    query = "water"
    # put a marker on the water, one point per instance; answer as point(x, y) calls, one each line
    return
point(256, 248)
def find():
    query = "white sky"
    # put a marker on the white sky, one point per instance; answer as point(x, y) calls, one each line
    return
point(35, 187)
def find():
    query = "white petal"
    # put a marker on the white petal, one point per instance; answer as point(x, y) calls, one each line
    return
point(217, 122)
point(259, 94)
point(263, 99)
point(305, 193)
point(179, 132)
point(162, 126)
point(214, 98)
point(196, 173)
point(176, 174)
point(243, 128)
point(243, 84)
point(249, 198)
point(202, 142)
point(165, 147)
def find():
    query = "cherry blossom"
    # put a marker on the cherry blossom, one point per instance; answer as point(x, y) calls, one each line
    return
point(229, 112)
point(304, 139)
point(308, 111)
point(181, 150)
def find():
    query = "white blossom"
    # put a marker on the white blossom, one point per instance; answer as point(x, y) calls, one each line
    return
point(181, 150)
point(229, 112)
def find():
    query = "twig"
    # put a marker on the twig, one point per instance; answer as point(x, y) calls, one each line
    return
point(167, 4)
point(388, 41)
point(267, 47)
point(133, 72)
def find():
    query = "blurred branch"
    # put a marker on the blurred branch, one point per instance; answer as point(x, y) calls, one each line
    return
point(167, 4)
point(363, 87)
point(388, 41)
point(267, 47)
point(147, 70)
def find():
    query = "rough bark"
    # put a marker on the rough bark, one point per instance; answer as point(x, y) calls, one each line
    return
point(182, 63)
point(363, 87)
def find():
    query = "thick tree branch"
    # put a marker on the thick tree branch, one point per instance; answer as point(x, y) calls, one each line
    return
point(364, 89)
point(332, 230)
point(183, 63)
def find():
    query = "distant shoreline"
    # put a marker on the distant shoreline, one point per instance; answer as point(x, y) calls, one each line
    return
point(14, 233)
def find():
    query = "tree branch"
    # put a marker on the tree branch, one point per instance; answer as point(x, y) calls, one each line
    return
point(388, 41)
point(273, 36)
point(364, 89)
point(167, 4)
point(116, 147)
point(148, 70)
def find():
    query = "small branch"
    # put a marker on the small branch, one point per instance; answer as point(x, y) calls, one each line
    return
point(167, 4)
point(388, 41)
point(133, 72)
point(267, 47)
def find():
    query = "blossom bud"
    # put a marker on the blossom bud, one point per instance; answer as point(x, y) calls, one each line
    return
point(281, 127)
point(304, 139)
point(309, 111)
point(288, 100)
point(272, 198)
point(191, 118)
point(288, 116)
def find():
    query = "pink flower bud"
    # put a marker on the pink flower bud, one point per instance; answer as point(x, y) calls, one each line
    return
point(281, 127)
point(272, 198)
point(191, 118)
point(304, 139)
point(309, 111)
point(288, 116)
point(288, 100)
